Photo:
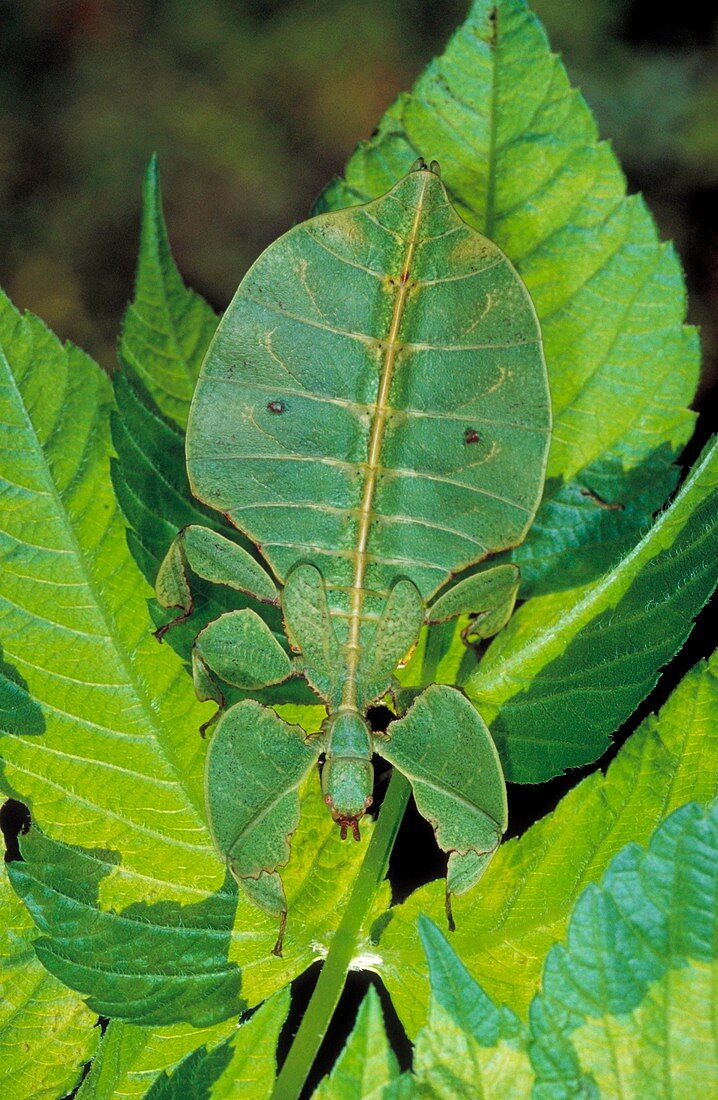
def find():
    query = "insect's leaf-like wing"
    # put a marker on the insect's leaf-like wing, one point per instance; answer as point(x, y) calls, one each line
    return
point(46, 1032)
point(416, 396)
point(520, 154)
point(166, 328)
point(505, 928)
point(571, 667)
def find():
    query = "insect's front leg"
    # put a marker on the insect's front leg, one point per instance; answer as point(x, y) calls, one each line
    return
point(214, 558)
point(239, 649)
point(488, 596)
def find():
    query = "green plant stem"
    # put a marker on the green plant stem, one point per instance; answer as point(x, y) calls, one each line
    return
point(342, 950)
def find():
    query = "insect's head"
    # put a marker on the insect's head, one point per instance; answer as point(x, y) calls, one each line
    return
point(347, 774)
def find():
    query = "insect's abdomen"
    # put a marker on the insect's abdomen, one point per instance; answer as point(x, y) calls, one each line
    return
point(376, 389)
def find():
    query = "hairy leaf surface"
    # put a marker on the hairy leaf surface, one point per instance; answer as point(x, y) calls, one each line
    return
point(130, 1058)
point(46, 1032)
point(522, 161)
point(627, 1006)
point(469, 1047)
point(505, 928)
point(243, 1066)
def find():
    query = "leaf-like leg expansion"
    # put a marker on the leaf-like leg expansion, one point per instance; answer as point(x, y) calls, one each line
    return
point(240, 649)
point(255, 764)
point(395, 634)
point(444, 749)
point(214, 558)
point(310, 630)
point(489, 596)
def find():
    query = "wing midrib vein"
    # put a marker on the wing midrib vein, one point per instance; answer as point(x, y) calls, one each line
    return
point(352, 645)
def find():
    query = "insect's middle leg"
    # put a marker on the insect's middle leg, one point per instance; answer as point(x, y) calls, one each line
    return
point(214, 558)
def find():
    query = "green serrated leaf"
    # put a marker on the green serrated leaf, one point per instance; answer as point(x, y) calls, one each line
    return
point(152, 963)
point(570, 668)
point(505, 929)
point(469, 1047)
point(46, 1032)
point(243, 1066)
point(628, 1005)
point(149, 477)
point(584, 526)
point(130, 1058)
point(102, 741)
point(522, 161)
point(203, 961)
point(166, 328)
point(367, 1065)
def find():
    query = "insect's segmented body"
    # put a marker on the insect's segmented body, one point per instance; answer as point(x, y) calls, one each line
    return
point(373, 413)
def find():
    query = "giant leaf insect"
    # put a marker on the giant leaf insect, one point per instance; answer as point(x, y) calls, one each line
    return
point(373, 413)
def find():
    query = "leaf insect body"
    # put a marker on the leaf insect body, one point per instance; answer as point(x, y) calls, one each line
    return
point(373, 413)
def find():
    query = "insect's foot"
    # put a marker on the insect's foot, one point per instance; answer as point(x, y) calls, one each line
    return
point(159, 634)
point(449, 913)
point(347, 823)
point(277, 949)
point(210, 722)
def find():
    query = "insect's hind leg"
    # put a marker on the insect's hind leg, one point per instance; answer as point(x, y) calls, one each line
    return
point(214, 558)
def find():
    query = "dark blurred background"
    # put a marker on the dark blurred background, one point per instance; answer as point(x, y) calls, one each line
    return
point(252, 105)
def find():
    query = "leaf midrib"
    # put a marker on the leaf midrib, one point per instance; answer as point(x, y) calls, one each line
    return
point(88, 578)
point(490, 216)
